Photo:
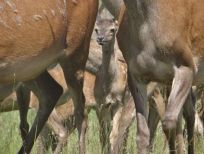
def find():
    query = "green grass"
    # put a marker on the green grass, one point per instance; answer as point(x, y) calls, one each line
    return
point(10, 140)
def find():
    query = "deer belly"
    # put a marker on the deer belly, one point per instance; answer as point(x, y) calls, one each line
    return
point(26, 68)
point(151, 69)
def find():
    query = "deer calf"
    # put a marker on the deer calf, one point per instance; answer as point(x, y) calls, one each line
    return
point(111, 84)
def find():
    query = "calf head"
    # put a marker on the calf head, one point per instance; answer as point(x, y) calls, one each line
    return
point(105, 30)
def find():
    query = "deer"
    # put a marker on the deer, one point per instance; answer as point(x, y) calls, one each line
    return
point(60, 120)
point(121, 121)
point(163, 50)
point(110, 85)
point(148, 66)
point(64, 110)
point(124, 114)
point(157, 109)
point(36, 35)
point(60, 123)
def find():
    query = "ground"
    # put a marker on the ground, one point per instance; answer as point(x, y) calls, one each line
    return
point(10, 140)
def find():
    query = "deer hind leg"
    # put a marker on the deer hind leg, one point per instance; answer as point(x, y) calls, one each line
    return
point(179, 136)
point(75, 85)
point(57, 126)
point(119, 133)
point(189, 116)
point(43, 141)
point(156, 112)
point(174, 135)
point(23, 99)
point(171, 137)
point(115, 130)
point(73, 69)
point(181, 85)
point(184, 72)
point(138, 91)
point(48, 92)
point(105, 129)
point(153, 121)
point(84, 128)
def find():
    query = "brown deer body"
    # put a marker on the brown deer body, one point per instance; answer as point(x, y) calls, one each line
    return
point(61, 119)
point(150, 58)
point(33, 36)
point(165, 45)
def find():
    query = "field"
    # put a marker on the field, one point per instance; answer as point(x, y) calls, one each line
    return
point(10, 140)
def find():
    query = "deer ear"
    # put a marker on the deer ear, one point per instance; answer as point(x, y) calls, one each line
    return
point(116, 22)
point(113, 19)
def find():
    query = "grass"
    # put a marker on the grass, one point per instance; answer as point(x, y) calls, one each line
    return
point(10, 141)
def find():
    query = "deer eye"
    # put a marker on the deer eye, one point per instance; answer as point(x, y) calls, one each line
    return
point(112, 30)
point(96, 30)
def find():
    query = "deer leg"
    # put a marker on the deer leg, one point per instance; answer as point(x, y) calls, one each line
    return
point(179, 136)
point(83, 129)
point(48, 92)
point(171, 136)
point(139, 94)
point(156, 112)
point(62, 141)
point(181, 85)
point(174, 135)
point(43, 140)
point(40, 145)
point(63, 132)
point(105, 129)
point(75, 85)
point(23, 99)
point(118, 136)
point(57, 126)
point(74, 75)
point(115, 130)
point(153, 121)
point(189, 116)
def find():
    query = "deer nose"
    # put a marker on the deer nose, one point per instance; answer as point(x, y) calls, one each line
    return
point(100, 38)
